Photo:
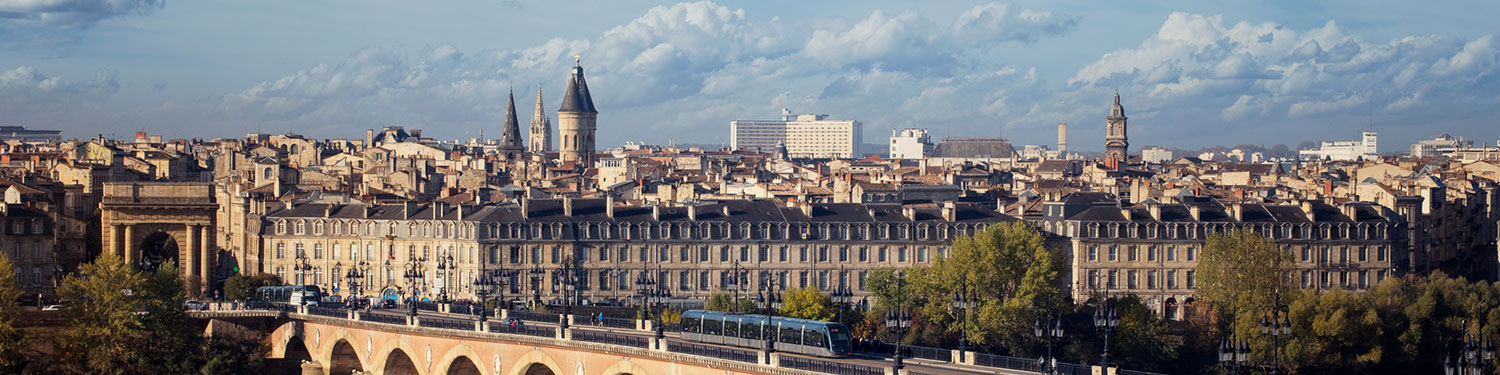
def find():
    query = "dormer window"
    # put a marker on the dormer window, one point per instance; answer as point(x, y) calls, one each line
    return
point(318, 228)
point(280, 227)
point(301, 227)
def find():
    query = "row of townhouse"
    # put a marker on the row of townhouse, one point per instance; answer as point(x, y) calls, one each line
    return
point(1151, 249)
point(694, 250)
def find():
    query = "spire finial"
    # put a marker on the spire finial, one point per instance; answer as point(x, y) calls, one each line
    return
point(577, 60)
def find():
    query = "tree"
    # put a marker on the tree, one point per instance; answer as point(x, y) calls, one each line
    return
point(1244, 275)
point(726, 303)
point(241, 287)
point(105, 334)
point(1011, 273)
point(11, 339)
point(1142, 342)
point(807, 303)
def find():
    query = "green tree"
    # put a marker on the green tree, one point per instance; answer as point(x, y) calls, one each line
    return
point(166, 323)
point(241, 287)
point(726, 303)
point(11, 339)
point(1243, 275)
point(105, 333)
point(1142, 341)
point(807, 303)
point(1011, 273)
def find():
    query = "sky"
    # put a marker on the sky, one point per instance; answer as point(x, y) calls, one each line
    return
point(1190, 73)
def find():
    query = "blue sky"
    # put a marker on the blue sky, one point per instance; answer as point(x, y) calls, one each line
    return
point(1191, 73)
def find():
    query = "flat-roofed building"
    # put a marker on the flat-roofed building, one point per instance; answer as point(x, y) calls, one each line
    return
point(805, 136)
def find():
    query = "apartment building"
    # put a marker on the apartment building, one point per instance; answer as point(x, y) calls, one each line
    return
point(804, 136)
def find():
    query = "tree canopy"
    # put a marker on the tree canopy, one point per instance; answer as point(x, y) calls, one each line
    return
point(807, 303)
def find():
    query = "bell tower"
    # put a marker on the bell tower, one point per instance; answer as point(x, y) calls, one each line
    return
point(575, 120)
point(1116, 145)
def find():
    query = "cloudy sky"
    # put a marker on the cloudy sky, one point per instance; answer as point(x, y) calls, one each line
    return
point(1192, 73)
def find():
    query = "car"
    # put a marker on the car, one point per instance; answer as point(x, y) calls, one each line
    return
point(514, 322)
point(388, 304)
point(52, 308)
point(194, 305)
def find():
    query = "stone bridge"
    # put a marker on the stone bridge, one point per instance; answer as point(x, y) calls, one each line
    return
point(343, 346)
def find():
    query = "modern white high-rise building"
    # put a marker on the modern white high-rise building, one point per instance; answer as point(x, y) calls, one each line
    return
point(910, 143)
point(805, 135)
point(1156, 155)
point(1344, 150)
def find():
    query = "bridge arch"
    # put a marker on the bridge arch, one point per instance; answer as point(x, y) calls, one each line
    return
point(283, 336)
point(382, 358)
point(398, 362)
point(523, 365)
point(625, 366)
point(337, 351)
point(457, 353)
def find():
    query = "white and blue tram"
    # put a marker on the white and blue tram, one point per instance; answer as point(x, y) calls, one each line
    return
point(291, 294)
point(811, 337)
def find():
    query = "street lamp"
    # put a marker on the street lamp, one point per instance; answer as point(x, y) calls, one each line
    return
point(842, 295)
point(963, 300)
point(569, 269)
point(1472, 358)
point(770, 289)
point(652, 290)
point(487, 281)
point(736, 274)
point(1106, 319)
point(352, 278)
point(445, 267)
point(536, 274)
point(1276, 324)
point(413, 275)
point(1049, 328)
point(898, 320)
point(1233, 353)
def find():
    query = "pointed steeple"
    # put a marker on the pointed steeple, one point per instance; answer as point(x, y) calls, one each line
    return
point(541, 126)
point(1117, 111)
point(510, 133)
point(577, 98)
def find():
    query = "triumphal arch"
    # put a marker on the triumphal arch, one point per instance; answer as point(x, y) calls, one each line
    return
point(148, 223)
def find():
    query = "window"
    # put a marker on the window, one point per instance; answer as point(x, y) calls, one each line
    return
point(1114, 279)
point(1093, 279)
point(1171, 253)
point(1114, 253)
point(1130, 253)
point(281, 227)
point(1380, 253)
point(1151, 279)
point(1171, 279)
point(317, 251)
point(1151, 253)
point(336, 251)
point(1192, 253)
point(318, 228)
point(1130, 280)
point(1093, 253)
point(862, 276)
point(301, 227)
point(1363, 253)
point(1190, 279)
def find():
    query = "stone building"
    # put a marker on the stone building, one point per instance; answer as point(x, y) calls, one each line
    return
point(576, 121)
point(692, 248)
point(28, 239)
point(1150, 249)
point(1116, 143)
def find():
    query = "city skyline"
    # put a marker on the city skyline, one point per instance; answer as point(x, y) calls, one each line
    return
point(1192, 75)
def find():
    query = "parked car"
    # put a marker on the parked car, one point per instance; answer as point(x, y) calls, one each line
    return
point(52, 308)
point(194, 305)
point(514, 322)
point(388, 304)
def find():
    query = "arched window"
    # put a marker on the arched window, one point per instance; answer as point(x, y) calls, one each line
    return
point(280, 227)
point(301, 227)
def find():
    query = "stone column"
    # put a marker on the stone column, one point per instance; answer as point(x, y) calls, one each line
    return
point(188, 264)
point(207, 260)
point(129, 247)
point(116, 245)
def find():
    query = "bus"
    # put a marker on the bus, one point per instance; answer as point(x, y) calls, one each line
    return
point(291, 294)
point(792, 335)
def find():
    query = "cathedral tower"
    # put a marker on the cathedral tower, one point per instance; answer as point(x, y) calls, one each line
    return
point(1116, 145)
point(575, 121)
point(541, 127)
point(510, 133)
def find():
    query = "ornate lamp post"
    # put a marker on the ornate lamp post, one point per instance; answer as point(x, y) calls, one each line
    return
point(569, 269)
point(413, 275)
point(1106, 319)
point(736, 278)
point(536, 273)
point(771, 296)
point(486, 282)
point(651, 291)
point(445, 267)
point(353, 280)
point(1233, 353)
point(1472, 358)
point(842, 295)
point(898, 320)
point(964, 300)
point(1277, 324)
point(1049, 328)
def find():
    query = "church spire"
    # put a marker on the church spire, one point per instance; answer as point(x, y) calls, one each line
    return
point(541, 127)
point(510, 133)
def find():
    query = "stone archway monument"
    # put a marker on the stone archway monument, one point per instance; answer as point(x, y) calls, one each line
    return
point(133, 211)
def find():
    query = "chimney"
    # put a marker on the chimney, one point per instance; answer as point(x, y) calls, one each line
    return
point(328, 210)
point(948, 209)
point(1307, 209)
point(408, 208)
point(1350, 210)
point(692, 212)
point(568, 206)
point(725, 206)
point(1062, 137)
point(806, 207)
point(1155, 209)
point(609, 206)
point(1239, 211)
point(525, 207)
point(369, 137)
point(1195, 212)
point(656, 212)
point(437, 210)
point(909, 212)
point(460, 211)
point(368, 209)
point(922, 167)
point(1125, 211)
